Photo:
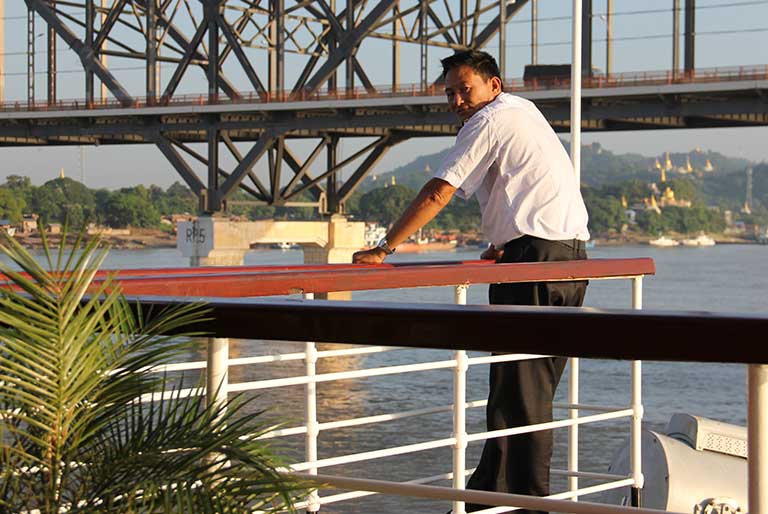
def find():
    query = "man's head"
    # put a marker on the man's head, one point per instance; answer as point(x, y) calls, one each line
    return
point(472, 80)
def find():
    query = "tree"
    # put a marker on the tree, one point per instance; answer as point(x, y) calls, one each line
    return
point(74, 437)
point(459, 214)
point(131, 207)
point(651, 222)
point(384, 205)
point(11, 205)
point(17, 182)
point(21, 187)
point(605, 213)
point(684, 188)
point(64, 198)
point(178, 199)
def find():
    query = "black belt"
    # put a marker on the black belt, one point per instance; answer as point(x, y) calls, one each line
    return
point(576, 244)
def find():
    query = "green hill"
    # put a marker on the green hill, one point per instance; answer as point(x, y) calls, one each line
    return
point(600, 167)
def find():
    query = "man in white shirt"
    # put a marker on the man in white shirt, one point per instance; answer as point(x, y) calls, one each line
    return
point(507, 155)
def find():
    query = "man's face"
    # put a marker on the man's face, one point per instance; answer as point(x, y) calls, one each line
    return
point(468, 91)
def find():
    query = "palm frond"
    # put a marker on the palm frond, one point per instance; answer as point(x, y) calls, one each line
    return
point(74, 358)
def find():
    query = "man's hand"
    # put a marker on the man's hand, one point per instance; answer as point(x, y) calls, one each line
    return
point(491, 254)
point(372, 256)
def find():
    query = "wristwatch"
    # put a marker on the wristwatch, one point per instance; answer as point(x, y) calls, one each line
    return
point(384, 245)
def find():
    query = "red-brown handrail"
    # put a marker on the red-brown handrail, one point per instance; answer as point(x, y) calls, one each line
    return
point(269, 281)
point(246, 281)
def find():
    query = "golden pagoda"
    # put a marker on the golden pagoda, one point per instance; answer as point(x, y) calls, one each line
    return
point(667, 162)
point(61, 173)
point(668, 199)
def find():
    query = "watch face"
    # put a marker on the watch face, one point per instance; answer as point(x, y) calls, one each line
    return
point(385, 246)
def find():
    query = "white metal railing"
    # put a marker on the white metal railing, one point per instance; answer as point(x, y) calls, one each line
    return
point(219, 387)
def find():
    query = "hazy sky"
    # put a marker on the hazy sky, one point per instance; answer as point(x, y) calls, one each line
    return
point(729, 33)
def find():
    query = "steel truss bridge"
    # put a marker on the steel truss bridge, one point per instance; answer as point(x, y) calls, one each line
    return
point(279, 71)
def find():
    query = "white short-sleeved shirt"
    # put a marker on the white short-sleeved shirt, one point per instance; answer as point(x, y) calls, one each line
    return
point(508, 155)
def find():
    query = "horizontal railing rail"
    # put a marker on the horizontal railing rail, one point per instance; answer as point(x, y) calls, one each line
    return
point(480, 497)
point(516, 85)
point(260, 282)
point(678, 336)
point(248, 281)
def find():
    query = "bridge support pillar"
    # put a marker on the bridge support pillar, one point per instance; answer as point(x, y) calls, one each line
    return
point(211, 241)
point(344, 238)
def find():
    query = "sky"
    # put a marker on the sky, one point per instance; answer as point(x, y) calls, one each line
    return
point(729, 33)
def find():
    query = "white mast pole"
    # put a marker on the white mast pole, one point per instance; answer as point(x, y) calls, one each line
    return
point(573, 380)
point(576, 90)
point(2, 51)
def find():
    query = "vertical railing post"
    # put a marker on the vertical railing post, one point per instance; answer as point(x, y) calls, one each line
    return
point(310, 414)
point(636, 435)
point(459, 410)
point(217, 386)
point(573, 430)
point(757, 435)
point(217, 371)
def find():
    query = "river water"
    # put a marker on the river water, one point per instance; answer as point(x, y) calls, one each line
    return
point(728, 278)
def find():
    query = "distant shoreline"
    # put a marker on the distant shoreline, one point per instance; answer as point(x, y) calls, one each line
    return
point(153, 238)
point(637, 239)
point(137, 239)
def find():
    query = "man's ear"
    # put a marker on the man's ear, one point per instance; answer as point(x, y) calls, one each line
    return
point(496, 85)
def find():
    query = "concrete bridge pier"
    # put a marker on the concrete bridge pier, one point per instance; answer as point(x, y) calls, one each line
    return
point(215, 241)
point(211, 241)
point(344, 238)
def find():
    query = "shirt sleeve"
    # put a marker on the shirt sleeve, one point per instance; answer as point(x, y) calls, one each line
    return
point(470, 158)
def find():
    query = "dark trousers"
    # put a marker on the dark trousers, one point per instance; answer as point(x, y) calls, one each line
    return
point(521, 392)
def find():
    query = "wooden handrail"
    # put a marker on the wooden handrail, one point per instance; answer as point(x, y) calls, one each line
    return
point(283, 281)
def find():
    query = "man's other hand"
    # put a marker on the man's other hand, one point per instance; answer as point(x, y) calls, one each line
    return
point(372, 256)
point(491, 254)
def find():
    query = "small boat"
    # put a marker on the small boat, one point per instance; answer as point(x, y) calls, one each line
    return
point(663, 241)
point(424, 245)
point(702, 240)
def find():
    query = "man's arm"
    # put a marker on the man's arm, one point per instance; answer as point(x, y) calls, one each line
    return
point(431, 199)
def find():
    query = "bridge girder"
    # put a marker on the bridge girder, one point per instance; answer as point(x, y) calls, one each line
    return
point(244, 47)
point(247, 50)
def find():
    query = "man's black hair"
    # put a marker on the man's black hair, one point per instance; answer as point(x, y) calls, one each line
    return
point(481, 62)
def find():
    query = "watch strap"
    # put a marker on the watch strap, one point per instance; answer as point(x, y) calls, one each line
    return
point(384, 245)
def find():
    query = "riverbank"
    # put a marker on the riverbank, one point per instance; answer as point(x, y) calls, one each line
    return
point(643, 239)
point(135, 239)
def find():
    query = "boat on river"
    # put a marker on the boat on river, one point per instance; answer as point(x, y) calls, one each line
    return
point(424, 245)
point(663, 241)
point(701, 240)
